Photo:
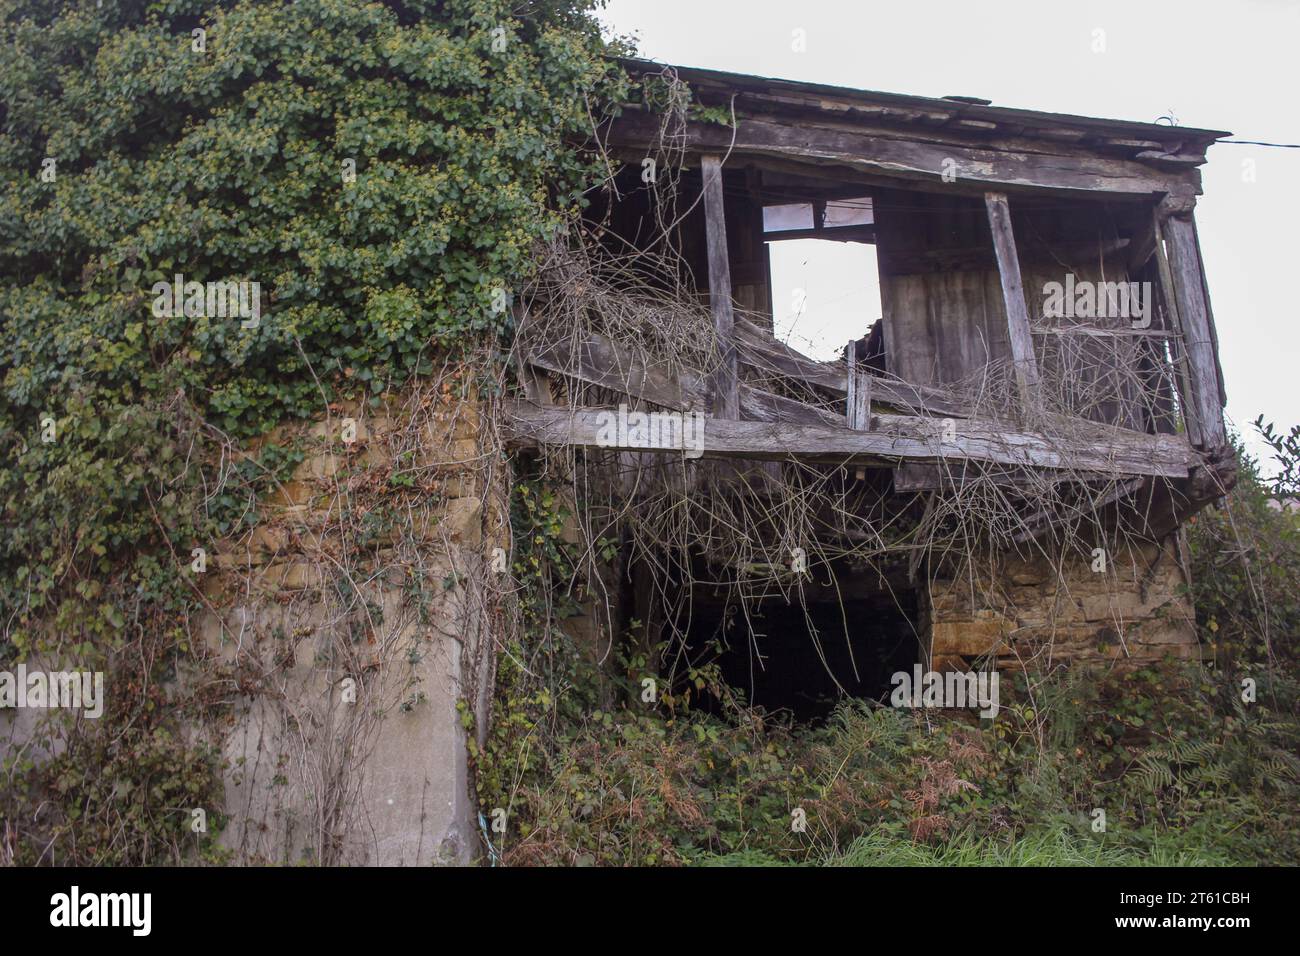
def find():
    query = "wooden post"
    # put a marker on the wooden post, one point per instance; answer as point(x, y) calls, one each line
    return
point(1013, 295)
point(1184, 268)
point(1178, 345)
point(1209, 311)
point(725, 380)
point(857, 409)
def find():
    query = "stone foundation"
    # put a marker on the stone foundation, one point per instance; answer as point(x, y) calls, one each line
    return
point(1039, 613)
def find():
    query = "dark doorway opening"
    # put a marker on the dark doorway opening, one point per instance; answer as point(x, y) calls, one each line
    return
point(805, 658)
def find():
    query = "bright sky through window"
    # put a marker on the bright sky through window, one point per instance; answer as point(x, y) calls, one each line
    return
point(823, 294)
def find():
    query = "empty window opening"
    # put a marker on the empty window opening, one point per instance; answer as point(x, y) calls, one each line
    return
point(825, 285)
point(824, 293)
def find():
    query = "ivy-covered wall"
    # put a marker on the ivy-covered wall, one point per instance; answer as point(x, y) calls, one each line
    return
point(216, 216)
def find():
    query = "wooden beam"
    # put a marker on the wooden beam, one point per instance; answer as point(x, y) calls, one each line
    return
point(896, 438)
point(726, 402)
point(762, 352)
point(1193, 313)
point(1013, 296)
point(978, 167)
point(597, 361)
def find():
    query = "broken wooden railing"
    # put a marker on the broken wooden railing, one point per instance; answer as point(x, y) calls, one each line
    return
point(773, 427)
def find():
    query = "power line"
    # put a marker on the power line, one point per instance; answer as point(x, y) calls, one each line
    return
point(1255, 142)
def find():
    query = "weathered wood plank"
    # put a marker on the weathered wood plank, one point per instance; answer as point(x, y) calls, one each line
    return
point(1193, 313)
point(858, 405)
point(857, 408)
point(1178, 347)
point(976, 165)
point(895, 438)
point(980, 257)
point(597, 361)
point(1013, 295)
point(759, 350)
point(1209, 311)
point(726, 402)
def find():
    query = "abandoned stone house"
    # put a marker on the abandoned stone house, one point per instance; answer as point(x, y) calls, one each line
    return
point(1046, 339)
point(993, 474)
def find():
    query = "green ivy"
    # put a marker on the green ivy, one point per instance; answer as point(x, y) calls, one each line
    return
point(382, 170)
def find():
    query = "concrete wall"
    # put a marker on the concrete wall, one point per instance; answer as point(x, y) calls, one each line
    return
point(353, 619)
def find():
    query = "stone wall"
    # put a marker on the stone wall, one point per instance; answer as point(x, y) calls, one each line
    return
point(354, 619)
point(1039, 612)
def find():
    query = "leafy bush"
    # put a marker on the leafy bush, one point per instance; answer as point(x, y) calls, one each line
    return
point(1246, 574)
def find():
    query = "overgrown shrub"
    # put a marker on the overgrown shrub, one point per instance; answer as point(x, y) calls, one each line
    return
point(1187, 765)
point(1246, 574)
point(1176, 761)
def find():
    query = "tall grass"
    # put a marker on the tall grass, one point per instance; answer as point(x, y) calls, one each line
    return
point(1061, 846)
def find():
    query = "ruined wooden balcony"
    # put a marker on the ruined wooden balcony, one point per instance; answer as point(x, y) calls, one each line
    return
point(1028, 194)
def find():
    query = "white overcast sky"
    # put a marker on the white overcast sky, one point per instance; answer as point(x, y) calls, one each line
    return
point(1230, 65)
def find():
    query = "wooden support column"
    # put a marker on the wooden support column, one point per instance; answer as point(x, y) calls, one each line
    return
point(857, 409)
point(1209, 311)
point(724, 383)
point(1187, 402)
point(1188, 293)
point(1013, 295)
